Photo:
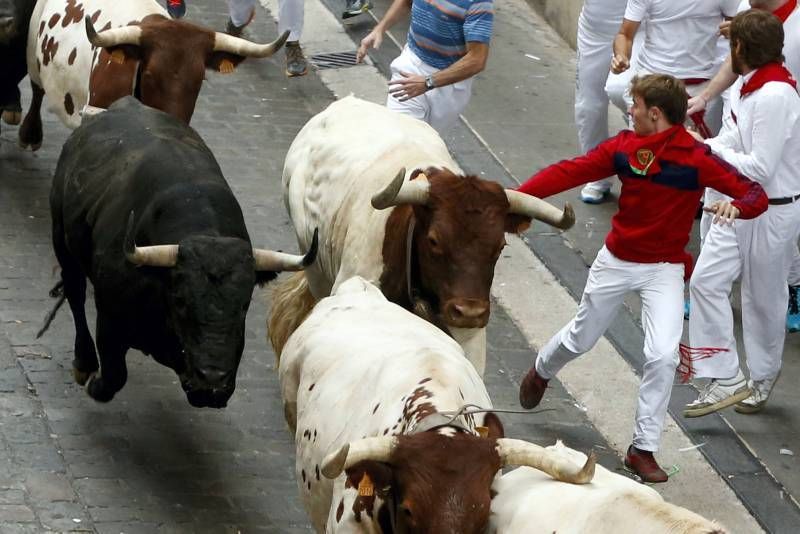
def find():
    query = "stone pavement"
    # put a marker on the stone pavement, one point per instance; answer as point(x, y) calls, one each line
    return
point(148, 462)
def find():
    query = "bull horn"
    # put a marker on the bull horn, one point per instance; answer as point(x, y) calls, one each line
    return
point(378, 449)
point(126, 35)
point(398, 191)
point(242, 47)
point(536, 208)
point(518, 452)
point(153, 256)
point(269, 260)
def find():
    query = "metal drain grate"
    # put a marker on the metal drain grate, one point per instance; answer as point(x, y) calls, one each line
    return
point(334, 60)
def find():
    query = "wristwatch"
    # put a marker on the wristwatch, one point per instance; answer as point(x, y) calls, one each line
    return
point(429, 84)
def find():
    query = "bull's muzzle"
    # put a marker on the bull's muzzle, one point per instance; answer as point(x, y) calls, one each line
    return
point(466, 313)
point(209, 387)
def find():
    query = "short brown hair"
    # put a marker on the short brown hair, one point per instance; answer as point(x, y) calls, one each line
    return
point(759, 35)
point(663, 91)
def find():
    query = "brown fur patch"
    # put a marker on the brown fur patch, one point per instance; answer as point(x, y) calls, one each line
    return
point(69, 105)
point(458, 237)
point(41, 28)
point(72, 56)
point(340, 510)
point(73, 13)
point(53, 20)
point(49, 48)
point(95, 16)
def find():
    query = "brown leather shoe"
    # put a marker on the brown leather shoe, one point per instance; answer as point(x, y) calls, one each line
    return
point(532, 389)
point(643, 464)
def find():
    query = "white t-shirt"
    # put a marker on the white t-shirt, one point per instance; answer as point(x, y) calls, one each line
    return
point(791, 42)
point(681, 35)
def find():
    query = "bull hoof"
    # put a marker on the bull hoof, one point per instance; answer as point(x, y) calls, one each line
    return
point(82, 377)
point(12, 117)
point(33, 146)
point(96, 389)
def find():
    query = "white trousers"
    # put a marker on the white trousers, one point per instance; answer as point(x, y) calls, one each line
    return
point(660, 286)
point(759, 251)
point(439, 107)
point(591, 79)
point(290, 15)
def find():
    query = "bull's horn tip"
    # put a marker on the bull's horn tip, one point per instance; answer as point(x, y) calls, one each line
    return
point(91, 33)
point(568, 220)
point(333, 465)
point(311, 255)
point(587, 471)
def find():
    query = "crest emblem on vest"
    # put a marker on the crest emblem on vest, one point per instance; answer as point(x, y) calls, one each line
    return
point(645, 157)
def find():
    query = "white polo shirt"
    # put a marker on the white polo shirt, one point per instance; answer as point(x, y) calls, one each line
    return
point(681, 35)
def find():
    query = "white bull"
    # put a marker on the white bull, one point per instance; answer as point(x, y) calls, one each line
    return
point(393, 206)
point(528, 502)
point(365, 384)
point(138, 51)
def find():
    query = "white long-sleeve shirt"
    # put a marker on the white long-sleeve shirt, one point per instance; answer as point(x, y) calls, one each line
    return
point(764, 141)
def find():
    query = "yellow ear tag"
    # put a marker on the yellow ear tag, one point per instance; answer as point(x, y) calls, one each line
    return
point(118, 56)
point(483, 431)
point(365, 487)
point(226, 66)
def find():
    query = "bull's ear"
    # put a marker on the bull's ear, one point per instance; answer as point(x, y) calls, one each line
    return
point(492, 422)
point(223, 62)
point(379, 476)
point(516, 224)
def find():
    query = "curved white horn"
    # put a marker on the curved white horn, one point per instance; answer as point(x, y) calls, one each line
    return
point(130, 35)
point(153, 256)
point(242, 47)
point(518, 452)
point(536, 208)
point(269, 260)
point(378, 449)
point(398, 191)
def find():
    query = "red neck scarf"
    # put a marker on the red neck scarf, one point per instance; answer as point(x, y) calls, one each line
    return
point(785, 10)
point(771, 72)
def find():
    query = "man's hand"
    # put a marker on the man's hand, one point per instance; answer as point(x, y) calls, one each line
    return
point(372, 40)
point(724, 212)
point(619, 64)
point(407, 87)
point(696, 103)
point(725, 29)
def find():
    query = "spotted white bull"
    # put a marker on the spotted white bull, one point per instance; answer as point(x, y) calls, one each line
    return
point(394, 207)
point(528, 502)
point(365, 385)
point(138, 51)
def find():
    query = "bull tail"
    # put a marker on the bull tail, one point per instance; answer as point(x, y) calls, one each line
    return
point(56, 292)
point(292, 301)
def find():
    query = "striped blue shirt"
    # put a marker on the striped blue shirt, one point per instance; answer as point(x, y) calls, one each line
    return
point(441, 29)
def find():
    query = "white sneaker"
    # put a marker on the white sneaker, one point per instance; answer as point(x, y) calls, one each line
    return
point(758, 398)
point(718, 394)
point(594, 194)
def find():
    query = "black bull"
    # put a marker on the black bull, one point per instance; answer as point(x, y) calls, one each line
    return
point(136, 174)
point(15, 15)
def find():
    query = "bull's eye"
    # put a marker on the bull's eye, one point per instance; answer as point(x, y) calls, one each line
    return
point(433, 243)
